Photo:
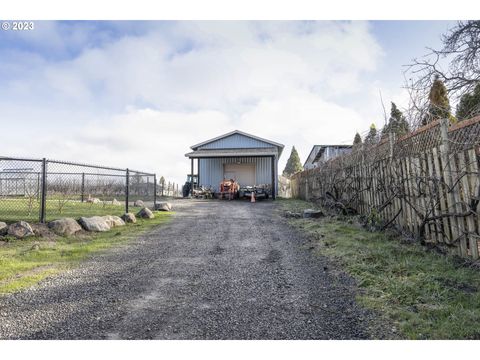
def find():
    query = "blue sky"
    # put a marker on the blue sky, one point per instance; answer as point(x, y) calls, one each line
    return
point(138, 94)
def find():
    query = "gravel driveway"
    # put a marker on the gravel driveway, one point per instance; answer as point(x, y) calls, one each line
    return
point(219, 270)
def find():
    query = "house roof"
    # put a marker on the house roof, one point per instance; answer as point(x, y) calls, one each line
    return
point(212, 153)
point(323, 147)
point(278, 145)
point(311, 151)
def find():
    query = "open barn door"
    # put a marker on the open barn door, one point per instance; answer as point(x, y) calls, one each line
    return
point(243, 174)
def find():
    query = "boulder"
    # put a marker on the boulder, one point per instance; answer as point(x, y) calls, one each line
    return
point(163, 206)
point(3, 228)
point(94, 223)
point(64, 226)
point(20, 230)
point(139, 203)
point(145, 213)
point(93, 200)
point(116, 202)
point(129, 218)
point(312, 213)
point(113, 220)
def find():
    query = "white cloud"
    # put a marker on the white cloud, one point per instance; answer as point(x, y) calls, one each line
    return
point(142, 100)
point(302, 119)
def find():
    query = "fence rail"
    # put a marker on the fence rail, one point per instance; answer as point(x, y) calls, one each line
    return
point(42, 189)
point(426, 183)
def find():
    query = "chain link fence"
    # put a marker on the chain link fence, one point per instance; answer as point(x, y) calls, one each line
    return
point(43, 190)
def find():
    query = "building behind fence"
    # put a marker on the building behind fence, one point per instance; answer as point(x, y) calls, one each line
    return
point(42, 190)
point(426, 183)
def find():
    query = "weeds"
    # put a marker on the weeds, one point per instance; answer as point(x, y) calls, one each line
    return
point(427, 295)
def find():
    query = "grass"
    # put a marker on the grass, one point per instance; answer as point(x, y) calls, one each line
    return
point(427, 295)
point(25, 262)
point(12, 210)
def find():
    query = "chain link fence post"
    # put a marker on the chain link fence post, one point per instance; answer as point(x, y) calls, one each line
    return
point(154, 191)
point(82, 195)
point(43, 198)
point(127, 183)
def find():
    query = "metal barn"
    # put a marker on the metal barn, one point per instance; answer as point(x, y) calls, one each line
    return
point(248, 159)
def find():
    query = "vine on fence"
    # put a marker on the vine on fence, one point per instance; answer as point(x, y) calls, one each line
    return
point(426, 183)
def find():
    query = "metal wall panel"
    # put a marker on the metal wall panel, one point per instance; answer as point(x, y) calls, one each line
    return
point(236, 141)
point(211, 170)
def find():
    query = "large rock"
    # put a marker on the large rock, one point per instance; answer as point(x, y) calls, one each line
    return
point(3, 228)
point(163, 206)
point(20, 230)
point(139, 203)
point(146, 213)
point(93, 200)
point(65, 226)
point(113, 220)
point(312, 213)
point(116, 202)
point(129, 218)
point(94, 223)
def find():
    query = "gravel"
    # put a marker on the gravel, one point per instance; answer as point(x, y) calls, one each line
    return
point(219, 270)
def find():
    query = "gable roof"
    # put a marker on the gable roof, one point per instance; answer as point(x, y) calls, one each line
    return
point(216, 153)
point(323, 147)
point(238, 132)
point(311, 151)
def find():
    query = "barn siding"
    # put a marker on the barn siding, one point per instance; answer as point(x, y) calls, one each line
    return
point(211, 170)
point(236, 141)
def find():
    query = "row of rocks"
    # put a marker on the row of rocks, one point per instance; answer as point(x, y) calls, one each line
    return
point(69, 226)
point(162, 206)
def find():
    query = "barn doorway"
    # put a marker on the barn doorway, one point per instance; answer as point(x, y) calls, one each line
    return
point(244, 174)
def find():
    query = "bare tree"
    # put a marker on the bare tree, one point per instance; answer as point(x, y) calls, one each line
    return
point(65, 190)
point(457, 63)
point(32, 190)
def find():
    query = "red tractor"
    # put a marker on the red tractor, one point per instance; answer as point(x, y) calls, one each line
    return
point(228, 189)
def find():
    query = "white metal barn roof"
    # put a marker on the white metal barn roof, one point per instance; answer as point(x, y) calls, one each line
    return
point(237, 138)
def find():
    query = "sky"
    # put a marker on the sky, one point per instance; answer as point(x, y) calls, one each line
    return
point(138, 94)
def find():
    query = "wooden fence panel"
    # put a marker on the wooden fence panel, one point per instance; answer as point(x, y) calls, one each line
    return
point(426, 183)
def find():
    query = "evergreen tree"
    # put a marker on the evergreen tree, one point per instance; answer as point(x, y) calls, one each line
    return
point(439, 107)
point(469, 105)
point(357, 140)
point(397, 123)
point(293, 164)
point(371, 137)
